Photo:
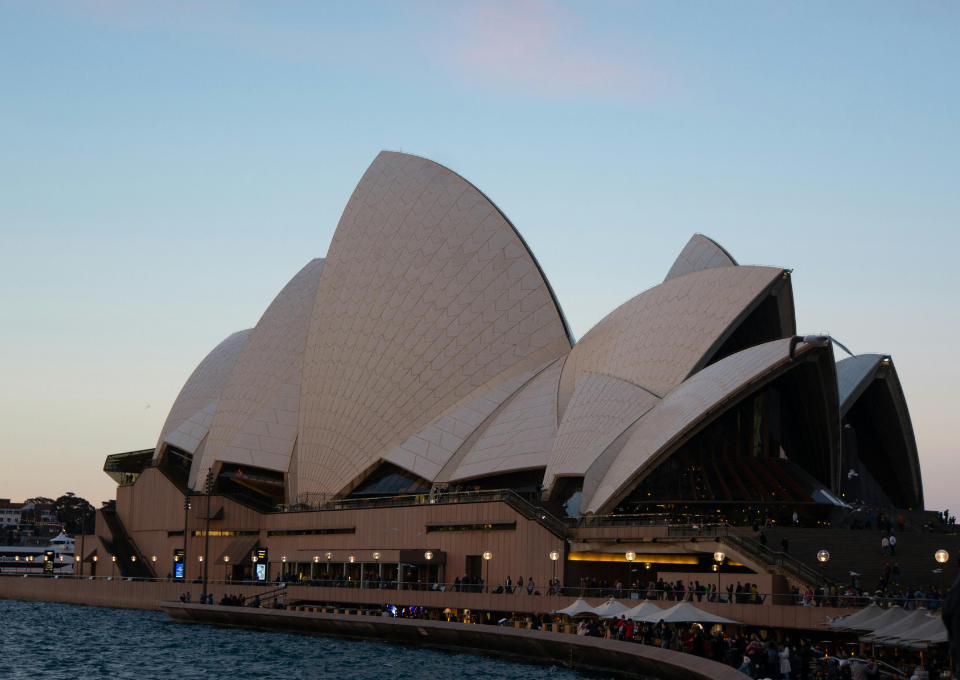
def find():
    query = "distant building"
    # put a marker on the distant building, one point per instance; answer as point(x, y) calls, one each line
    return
point(10, 512)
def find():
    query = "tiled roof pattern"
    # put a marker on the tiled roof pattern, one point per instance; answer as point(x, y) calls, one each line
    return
point(256, 421)
point(426, 452)
point(192, 431)
point(682, 409)
point(601, 408)
point(205, 384)
point(656, 339)
point(851, 373)
point(701, 252)
point(427, 293)
point(521, 437)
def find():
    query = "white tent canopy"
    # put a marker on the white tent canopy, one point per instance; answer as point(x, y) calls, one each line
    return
point(610, 608)
point(578, 608)
point(684, 613)
point(888, 618)
point(643, 609)
point(930, 633)
point(918, 618)
point(854, 621)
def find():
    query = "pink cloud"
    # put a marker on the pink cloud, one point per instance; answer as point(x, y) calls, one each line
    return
point(530, 48)
point(535, 48)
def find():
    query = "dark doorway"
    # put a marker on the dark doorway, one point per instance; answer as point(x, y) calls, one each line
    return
point(474, 566)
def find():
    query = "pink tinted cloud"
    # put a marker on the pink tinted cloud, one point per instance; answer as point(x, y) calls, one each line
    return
point(531, 48)
point(535, 48)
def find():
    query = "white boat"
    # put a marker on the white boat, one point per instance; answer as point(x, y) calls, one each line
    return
point(28, 559)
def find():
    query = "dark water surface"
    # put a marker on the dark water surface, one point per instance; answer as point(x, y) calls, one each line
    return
point(49, 640)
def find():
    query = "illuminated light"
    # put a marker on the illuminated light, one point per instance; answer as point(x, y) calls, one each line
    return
point(254, 558)
point(226, 558)
point(114, 558)
point(154, 558)
point(942, 556)
point(316, 559)
point(133, 558)
point(376, 555)
point(554, 556)
point(428, 555)
point(631, 556)
point(283, 559)
point(620, 557)
point(718, 556)
point(715, 567)
point(77, 558)
point(647, 565)
point(200, 557)
point(329, 556)
point(823, 556)
point(488, 555)
point(351, 559)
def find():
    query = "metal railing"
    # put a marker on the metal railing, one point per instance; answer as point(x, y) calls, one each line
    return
point(512, 498)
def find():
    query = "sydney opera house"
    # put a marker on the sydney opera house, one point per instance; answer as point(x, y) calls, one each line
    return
point(416, 399)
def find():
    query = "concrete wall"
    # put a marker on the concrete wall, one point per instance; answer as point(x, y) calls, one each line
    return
point(623, 657)
point(146, 594)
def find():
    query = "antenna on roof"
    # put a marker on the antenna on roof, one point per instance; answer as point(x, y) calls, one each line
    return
point(815, 341)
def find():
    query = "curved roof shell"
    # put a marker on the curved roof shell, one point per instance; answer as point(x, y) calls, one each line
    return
point(701, 252)
point(520, 436)
point(192, 412)
point(662, 336)
point(876, 375)
point(427, 293)
point(257, 417)
point(685, 411)
point(601, 409)
point(435, 452)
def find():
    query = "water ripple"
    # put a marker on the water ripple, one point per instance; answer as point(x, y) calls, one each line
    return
point(50, 640)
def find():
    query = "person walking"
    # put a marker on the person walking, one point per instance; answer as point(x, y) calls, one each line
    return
point(885, 546)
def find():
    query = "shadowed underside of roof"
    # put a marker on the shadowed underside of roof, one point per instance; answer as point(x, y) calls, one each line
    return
point(684, 411)
point(872, 399)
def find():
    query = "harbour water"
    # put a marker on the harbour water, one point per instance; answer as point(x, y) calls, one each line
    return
point(49, 640)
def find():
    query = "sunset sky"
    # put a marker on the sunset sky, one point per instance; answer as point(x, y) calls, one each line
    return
point(166, 167)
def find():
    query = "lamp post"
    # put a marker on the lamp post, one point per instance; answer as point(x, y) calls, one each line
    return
point(823, 556)
point(487, 556)
point(186, 532)
point(941, 556)
point(718, 557)
point(206, 542)
point(631, 556)
point(554, 556)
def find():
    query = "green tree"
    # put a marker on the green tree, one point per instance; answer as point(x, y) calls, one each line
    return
point(35, 514)
point(75, 513)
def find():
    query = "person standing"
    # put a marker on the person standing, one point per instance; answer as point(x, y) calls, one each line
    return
point(520, 585)
point(785, 546)
point(893, 545)
point(508, 586)
point(901, 520)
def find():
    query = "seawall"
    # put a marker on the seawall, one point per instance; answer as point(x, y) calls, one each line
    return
point(570, 650)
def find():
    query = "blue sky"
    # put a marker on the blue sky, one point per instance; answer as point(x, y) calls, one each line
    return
point(166, 167)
